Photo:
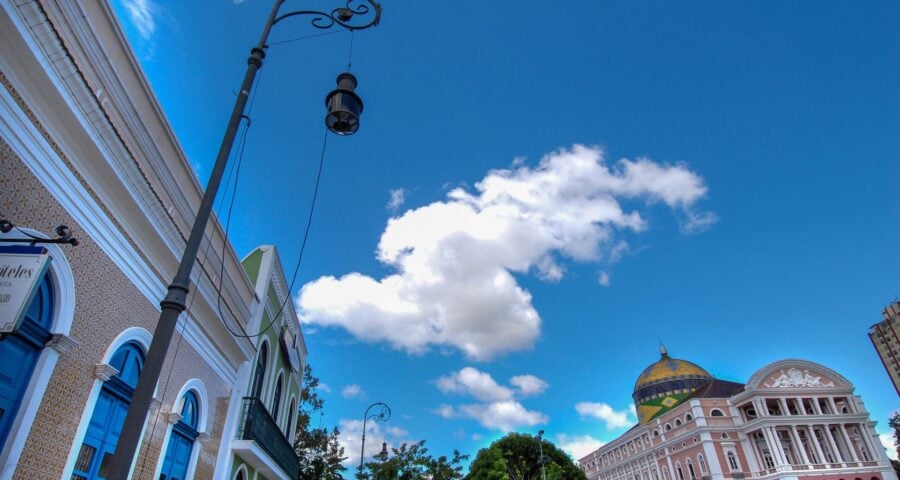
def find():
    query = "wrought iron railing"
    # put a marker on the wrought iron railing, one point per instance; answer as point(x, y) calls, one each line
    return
point(257, 425)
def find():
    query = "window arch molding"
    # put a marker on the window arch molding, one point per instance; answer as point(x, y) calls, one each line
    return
point(196, 387)
point(716, 413)
point(137, 335)
point(241, 473)
point(264, 354)
point(292, 418)
point(63, 283)
point(279, 389)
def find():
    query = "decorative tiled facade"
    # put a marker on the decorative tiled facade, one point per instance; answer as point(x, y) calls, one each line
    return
point(83, 144)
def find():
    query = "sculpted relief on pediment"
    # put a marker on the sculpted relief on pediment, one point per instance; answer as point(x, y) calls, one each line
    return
point(794, 377)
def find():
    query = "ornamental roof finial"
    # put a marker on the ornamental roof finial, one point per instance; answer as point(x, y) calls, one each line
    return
point(662, 350)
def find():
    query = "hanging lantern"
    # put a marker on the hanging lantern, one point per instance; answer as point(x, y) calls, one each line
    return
point(344, 106)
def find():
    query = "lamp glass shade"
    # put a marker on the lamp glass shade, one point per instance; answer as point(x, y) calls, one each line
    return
point(344, 106)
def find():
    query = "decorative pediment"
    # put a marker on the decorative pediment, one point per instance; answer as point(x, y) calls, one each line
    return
point(794, 373)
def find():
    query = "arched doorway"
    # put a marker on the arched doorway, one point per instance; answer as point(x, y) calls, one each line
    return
point(19, 352)
point(109, 413)
point(181, 441)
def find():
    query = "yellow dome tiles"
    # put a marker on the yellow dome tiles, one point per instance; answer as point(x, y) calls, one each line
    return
point(665, 384)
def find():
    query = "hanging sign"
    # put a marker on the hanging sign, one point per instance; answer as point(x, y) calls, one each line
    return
point(21, 270)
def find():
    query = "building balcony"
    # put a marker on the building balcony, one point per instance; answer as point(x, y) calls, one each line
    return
point(262, 443)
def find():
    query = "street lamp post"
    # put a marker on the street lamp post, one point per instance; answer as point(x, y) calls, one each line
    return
point(541, 448)
point(340, 120)
point(382, 415)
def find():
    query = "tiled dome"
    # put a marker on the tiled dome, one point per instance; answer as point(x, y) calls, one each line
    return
point(665, 384)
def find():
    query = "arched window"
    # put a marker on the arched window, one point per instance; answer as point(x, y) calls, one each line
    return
point(725, 436)
point(109, 413)
point(679, 471)
point(690, 466)
point(276, 399)
point(259, 376)
point(735, 466)
point(181, 441)
point(655, 433)
point(677, 422)
point(668, 427)
point(688, 417)
point(19, 352)
point(703, 468)
point(718, 413)
point(292, 411)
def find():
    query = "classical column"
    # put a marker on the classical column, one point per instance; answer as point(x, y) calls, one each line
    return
point(782, 402)
point(775, 447)
point(799, 446)
point(834, 409)
point(867, 441)
point(837, 453)
point(816, 407)
point(812, 435)
point(849, 444)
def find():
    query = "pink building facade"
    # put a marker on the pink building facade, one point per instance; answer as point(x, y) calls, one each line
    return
point(793, 419)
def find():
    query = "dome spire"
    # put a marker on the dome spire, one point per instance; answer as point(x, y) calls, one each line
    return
point(662, 350)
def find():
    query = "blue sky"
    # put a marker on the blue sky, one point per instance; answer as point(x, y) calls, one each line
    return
point(541, 191)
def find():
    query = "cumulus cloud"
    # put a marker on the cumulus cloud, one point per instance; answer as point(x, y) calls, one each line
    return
point(602, 411)
point(142, 13)
point(578, 446)
point(887, 441)
point(603, 279)
point(498, 410)
point(528, 385)
point(505, 416)
point(454, 261)
point(323, 387)
point(351, 391)
point(398, 198)
point(470, 381)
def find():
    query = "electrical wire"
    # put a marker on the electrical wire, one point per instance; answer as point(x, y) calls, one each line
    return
point(306, 37)
point(309, 218)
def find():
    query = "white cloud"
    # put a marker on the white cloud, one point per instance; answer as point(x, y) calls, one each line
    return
point(603, 279)
point(454, 260)
point(398, 198)
point(578, 446)
point(141, 13)
point(323, 387)
point(887, 441)
point(528, 385)
point(470, 381)
point(498, 410)
point(505, 416)
point(351, 391)
point(602, 411)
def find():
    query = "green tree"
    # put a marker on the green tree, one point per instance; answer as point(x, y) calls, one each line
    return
point(518, 457)
point(412, 462)
point(318, 448)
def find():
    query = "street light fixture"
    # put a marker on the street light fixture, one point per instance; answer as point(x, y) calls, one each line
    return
point(346, 115)
point(541, 448)
point(344, 106)
point(382, 415)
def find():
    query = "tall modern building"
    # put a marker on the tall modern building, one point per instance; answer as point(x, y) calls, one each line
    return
point(793, 419)
point(84, 143)
point(885, 336)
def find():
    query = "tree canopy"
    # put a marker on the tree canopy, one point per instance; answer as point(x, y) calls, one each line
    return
point(412, 462)
point(317, 448)
point(518, 457)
